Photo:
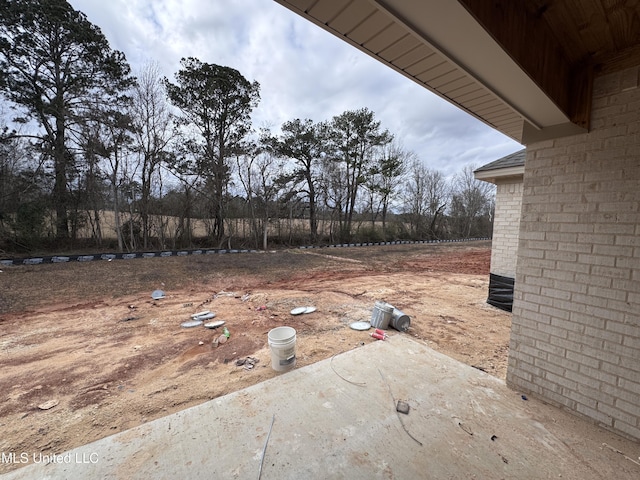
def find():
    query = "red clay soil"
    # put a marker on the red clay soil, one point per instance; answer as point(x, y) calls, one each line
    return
point(89, 339)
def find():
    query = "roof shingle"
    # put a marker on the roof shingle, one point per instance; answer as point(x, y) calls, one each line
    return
point(513, 160)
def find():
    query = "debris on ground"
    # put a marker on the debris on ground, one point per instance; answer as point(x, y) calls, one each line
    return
point(157, 294)
point(191, 323)
point(402, 407)
point(382, 332)
point(613, 449)
point(203, 316)
point(273, 419)
point(465, 428)
point(222, 293)
point(360, 326)
point(360, 384)
point(214, 325)
point(248, 363)
point(157, 358)
point(48, 405)
point(398, 413)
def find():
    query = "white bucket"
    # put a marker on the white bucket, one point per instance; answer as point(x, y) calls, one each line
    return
point(282, 341)
point(381, 315)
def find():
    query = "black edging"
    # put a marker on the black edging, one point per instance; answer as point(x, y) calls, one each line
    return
point(203, 251)
point(501, 292)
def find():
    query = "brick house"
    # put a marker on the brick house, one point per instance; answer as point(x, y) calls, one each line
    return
point(563, 79)
point(507, 175)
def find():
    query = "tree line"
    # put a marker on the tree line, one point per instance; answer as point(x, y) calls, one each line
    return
point(82, 135)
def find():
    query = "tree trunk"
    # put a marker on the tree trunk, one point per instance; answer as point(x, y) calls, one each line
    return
point(116, 202)
point(97, 228)
point(432, 228)
point(144, 204)
point(313, 220)
point(385, 207)
point(265, 228)
point(116, 211)
point(132, 238)
point(60, 185)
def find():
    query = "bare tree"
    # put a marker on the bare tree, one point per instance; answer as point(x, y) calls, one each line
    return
point(183, 202)
point(426, 197)
point(333, 192)
point(93, 178)
point(471, 200)
point(23, 190)
point(438, 193)
point(259, 171)
point(153, 132)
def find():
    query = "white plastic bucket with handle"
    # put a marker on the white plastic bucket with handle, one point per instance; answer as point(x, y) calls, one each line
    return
point(282, 342)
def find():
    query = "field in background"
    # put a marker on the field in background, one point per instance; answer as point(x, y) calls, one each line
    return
point(164, 226)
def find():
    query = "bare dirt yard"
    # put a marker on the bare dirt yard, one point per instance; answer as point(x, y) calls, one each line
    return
point(85, 352)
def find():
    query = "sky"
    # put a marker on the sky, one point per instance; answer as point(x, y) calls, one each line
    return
point(303, 71)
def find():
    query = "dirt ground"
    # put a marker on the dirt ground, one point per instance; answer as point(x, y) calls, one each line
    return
point(89, 339)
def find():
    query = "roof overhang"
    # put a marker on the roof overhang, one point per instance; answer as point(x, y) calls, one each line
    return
point(495, 176)
point(443, 46)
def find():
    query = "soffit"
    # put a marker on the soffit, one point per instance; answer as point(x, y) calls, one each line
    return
point(525, 67)
point(448, 53)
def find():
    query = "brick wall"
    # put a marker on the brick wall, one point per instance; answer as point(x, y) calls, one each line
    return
point(504, 246)
point(575, 337)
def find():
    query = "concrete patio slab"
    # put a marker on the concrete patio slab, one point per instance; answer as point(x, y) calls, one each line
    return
point(338, 419)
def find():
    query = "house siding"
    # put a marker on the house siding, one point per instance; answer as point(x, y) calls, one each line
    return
point(506, 225)
point(575, 339)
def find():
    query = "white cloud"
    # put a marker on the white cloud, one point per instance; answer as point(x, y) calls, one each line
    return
point(304, 72)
